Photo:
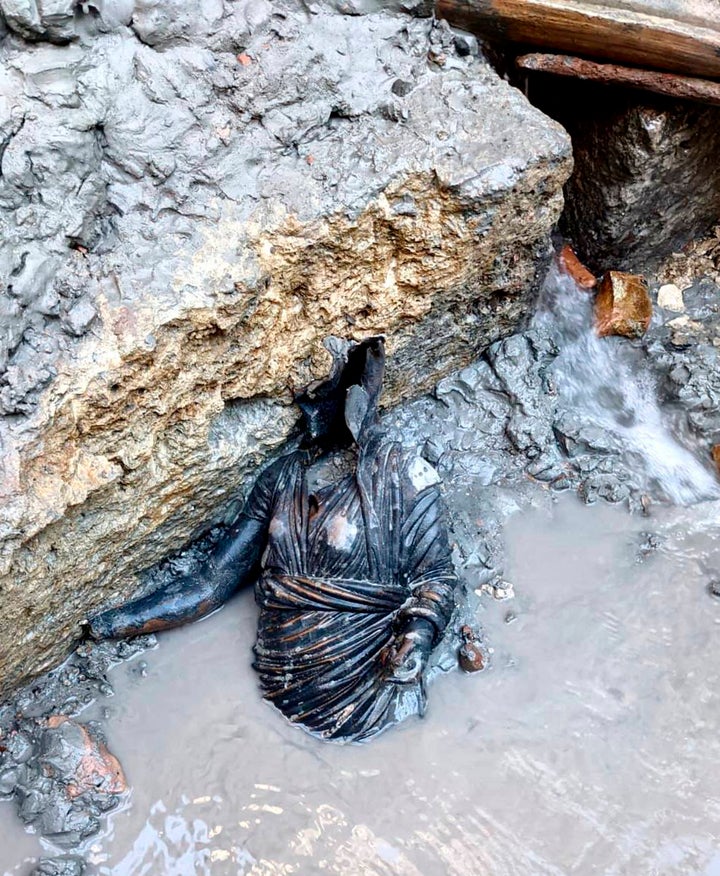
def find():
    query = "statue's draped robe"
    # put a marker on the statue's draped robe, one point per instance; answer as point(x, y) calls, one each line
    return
point(343, 568)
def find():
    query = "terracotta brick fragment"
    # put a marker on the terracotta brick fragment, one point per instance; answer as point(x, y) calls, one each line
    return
point(571, 265)
point(623, 305)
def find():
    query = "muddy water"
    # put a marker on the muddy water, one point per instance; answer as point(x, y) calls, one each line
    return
point(16, 846)
point(590, 746)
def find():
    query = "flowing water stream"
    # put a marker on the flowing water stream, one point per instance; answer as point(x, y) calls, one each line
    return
point(608, 386)
point(589, 745)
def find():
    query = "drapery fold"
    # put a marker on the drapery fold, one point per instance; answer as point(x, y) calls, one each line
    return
point(343, 568)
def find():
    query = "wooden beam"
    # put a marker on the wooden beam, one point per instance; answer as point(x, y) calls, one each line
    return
point(670, 84)
point(659, 34)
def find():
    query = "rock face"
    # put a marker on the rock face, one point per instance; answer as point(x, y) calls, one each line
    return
point(646, 181)
point(193, 199)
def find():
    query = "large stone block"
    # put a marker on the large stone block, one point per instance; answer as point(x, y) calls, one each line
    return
point(189, 208)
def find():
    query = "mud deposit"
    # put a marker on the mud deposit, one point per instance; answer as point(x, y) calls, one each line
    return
point(589, 746)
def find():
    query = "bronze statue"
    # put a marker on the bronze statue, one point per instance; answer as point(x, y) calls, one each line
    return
point(355, 580)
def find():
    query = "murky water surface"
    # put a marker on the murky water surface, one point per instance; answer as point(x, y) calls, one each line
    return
point(590, 746)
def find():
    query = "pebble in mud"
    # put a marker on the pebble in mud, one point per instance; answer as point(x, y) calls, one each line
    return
point(649, 543)
point(670, 297)
point(498, 590)
point(470, 654)
point(69, 865)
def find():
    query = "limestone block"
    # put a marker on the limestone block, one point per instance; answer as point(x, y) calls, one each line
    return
point(208, 217)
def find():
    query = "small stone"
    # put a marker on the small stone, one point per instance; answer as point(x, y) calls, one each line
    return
point(571, 265)
point(402, 87)
point(85, 762)
point(470, 655)
point(510, 617)
point(649, 543)
point(470, 658)
point(77, 321)
point(69, 865)
point(670, 297)
point(561, 483)
point(503, 590)
point(8, 781)
point(19, 747)
point(622, 306)
point(466, 44)
point(683, 330)
point(714, 588)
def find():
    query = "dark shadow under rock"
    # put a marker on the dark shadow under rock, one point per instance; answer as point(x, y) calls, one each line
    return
point(646, 178)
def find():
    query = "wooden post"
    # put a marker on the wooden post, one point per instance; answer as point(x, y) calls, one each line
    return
point(659, 34)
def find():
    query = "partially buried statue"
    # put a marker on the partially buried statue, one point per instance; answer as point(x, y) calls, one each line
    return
point(355, 580)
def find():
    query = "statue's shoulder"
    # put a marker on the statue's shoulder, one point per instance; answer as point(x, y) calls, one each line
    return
point(274, 480)
point(283, 464)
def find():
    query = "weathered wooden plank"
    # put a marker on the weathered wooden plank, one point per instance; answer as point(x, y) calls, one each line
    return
point(670, 84)
point(682, 37)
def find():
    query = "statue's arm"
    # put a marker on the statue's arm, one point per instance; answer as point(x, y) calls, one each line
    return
point(233, 563)
point(426, 556)
point(426, 561)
